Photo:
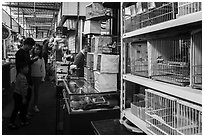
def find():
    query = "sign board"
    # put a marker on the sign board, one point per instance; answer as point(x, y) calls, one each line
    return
point(5, 32)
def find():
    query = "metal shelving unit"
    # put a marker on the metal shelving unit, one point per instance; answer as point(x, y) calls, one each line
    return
point(161, 30)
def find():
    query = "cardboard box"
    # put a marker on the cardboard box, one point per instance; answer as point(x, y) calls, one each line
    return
point(108, 63)
point(105, 82)
point(91, 26)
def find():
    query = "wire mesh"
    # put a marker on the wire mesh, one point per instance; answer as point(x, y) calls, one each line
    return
point(160, 12)
point(197, 76)
point(139, 59)
point(189, 117)
point(197, 60)
point(167, 115)
point(185, 8)
point(139, 67)
point(170, 61)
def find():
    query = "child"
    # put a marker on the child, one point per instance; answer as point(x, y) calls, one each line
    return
point(37, 73)
point(19, 95)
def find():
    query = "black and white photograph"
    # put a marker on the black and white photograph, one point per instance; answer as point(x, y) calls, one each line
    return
point(101, 67)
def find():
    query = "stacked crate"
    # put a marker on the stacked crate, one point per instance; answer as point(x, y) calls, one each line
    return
point(105, 65)
point(106, 74)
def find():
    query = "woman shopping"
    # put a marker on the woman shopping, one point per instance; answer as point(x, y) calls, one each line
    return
point(37, 73)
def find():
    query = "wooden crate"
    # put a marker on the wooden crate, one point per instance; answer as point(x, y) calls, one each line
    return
point(105, 82)
point(108, 63)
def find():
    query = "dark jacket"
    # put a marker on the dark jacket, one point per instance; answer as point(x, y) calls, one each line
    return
point(23, 56)
point(79, 62)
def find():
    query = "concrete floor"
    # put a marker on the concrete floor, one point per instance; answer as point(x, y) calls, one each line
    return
point(42, 123)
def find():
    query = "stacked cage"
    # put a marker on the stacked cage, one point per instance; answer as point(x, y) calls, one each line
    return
point(185, 8)
point(196, 52)
point(171, 60)
point(143, 14)
point(139, 59)
point(167, 115)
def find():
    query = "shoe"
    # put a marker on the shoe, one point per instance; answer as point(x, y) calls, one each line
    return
point(12, 126)
point(24, 123)
point(36, 109)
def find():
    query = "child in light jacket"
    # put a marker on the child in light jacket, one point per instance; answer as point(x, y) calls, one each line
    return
point(37, 73)
point(19, 95)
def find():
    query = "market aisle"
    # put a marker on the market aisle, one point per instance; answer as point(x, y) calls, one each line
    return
point(42, 123)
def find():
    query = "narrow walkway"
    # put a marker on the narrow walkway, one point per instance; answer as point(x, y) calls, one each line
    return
point(42, 123)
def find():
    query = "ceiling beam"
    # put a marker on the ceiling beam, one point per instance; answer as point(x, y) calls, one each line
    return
point(37, 16)
point(30, 7)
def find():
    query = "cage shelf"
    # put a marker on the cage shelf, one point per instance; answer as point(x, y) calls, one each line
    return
point(188, 93)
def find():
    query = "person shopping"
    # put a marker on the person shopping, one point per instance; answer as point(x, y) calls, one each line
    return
point(19, 95)
point(37, 73)
point(23, 56)
point(78, 64)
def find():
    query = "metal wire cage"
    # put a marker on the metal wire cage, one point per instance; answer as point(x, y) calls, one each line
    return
point(167, 115)
point(139, 59)
point(185, 8)
point(150, 13)
point(171, 60)
point(196, 66)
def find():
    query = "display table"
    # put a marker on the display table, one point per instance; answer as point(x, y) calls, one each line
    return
point(111, 127)
point(78, 121)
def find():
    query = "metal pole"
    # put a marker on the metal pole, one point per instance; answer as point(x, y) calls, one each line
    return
point(18, 20)
point(23, 24)
point(77, 25)
point(10, 17)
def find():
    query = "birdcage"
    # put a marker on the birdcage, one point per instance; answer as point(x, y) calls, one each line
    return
point(196, 51)
point(185, 8)
point(189, 118)
point(170, 61)
point(167, 115)
point(150, 13)
point(139, 59)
